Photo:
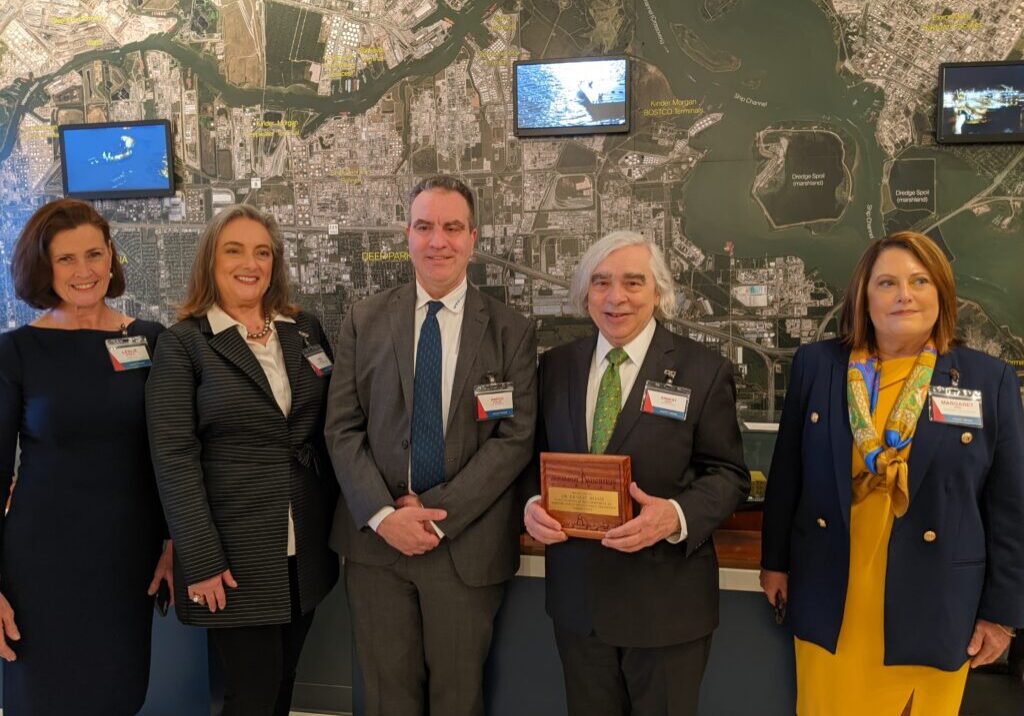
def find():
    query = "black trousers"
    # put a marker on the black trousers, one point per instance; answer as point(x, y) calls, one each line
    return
point(606, 680)
point(259, 661)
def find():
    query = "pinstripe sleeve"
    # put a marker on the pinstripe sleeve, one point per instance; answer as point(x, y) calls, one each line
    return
point(175, 447)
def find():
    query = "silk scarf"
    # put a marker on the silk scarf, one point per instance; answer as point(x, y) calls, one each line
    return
point(882, 453)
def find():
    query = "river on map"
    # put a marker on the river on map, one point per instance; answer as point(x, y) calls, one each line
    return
point(789, 74)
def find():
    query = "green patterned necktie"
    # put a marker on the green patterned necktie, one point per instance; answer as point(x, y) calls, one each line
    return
point(609, 402)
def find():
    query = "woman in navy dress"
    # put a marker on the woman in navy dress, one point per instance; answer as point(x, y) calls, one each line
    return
point(80, 544)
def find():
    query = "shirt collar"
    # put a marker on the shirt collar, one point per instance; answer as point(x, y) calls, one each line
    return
point(454, 301)
point(220, 320)
point(636, 349)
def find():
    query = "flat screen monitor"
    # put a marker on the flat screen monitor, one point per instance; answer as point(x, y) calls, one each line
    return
point(980, 102)
point(117, 160)
point(584, 95)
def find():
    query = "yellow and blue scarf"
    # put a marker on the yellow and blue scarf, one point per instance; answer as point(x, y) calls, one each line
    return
point(882, 453)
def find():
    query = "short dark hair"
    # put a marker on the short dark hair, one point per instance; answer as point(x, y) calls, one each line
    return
point(444, 182)
point(30, 266)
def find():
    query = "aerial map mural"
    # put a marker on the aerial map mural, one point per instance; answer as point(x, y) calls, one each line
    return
point(769, 142)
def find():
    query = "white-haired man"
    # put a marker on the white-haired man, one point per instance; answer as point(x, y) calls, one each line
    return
point(634, 612)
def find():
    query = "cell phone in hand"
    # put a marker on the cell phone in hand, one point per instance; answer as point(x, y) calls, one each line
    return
point(163, 598)
point(780, 609)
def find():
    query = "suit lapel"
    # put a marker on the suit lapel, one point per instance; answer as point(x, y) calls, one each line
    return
point(474, 323)
point(928, 436)
point(232, 347)
point(579, 377)
point(291, 347)
point(841, 436)
point(402, 314)
point(659, 358)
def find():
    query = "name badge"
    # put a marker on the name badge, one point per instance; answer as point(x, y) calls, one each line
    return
point(493, 401)
point(129, 353)
point(666, 400)
point(955, 406)
point(318, 359)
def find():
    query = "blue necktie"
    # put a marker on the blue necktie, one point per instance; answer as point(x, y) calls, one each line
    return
point(427, 422)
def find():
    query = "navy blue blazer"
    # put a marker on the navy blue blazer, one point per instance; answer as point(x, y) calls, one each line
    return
point(966, 486)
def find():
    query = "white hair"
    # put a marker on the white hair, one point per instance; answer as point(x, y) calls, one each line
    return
point(600, 250)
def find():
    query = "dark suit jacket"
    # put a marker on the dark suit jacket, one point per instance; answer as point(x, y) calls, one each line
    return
point(966, 486)
point(368, 423)
point(667, 593)
point(228, 462)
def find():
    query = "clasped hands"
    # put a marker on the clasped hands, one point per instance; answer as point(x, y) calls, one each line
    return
point(409, 528)
point(657, 520)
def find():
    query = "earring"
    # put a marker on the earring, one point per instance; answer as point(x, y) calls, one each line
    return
point(111, 274)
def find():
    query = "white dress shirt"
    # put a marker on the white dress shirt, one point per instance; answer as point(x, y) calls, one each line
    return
point(271, 360)
point(449, 320)
point(636, 349)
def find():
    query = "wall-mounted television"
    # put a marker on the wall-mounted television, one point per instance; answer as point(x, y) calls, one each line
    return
point(117, 160)
point(580, 95)
point(980, 102)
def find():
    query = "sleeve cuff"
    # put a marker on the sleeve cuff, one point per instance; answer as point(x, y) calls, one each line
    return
point(682, 533)
point(535, 498)
point(374, 522)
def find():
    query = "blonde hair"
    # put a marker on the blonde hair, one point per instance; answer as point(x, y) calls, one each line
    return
point(202, 286)
point(855, 327)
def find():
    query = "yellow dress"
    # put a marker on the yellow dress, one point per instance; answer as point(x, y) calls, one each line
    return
point(854, 681)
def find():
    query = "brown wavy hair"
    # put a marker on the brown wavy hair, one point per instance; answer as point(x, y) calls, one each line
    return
point(31, 269)
point(202, 286)
point(855, 327)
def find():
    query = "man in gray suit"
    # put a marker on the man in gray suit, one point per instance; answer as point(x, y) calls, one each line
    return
point(430, 420)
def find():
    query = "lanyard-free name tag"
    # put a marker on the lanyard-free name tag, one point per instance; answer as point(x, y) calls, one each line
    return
point(955, 406)
point(318, 359)
point(493, 401)
point(129, 353)
point(666, 400)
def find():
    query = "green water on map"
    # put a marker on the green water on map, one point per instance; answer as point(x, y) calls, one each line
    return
point(789, 59)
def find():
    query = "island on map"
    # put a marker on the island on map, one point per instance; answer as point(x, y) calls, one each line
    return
point(805, 179)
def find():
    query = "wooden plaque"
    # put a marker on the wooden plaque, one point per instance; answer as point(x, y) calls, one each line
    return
point(587, 494)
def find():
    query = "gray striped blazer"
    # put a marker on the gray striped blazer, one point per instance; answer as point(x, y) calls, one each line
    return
point(228, 462)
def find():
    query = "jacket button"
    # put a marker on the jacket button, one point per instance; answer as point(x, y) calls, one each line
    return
point(966, 438)
point(402, 486)
point(929, 536)
point(822, 523)
point(405, 444)
point(814, 417)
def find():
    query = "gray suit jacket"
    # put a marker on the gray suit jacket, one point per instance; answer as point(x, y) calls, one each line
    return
point(369, 416)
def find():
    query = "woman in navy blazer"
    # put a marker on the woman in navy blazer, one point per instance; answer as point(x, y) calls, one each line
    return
point(950, 584)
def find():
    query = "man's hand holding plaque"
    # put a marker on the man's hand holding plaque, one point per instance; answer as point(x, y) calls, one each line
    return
point(658, 519)
point(586, 495)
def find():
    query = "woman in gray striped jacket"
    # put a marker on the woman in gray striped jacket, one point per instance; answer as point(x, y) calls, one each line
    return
point(235, 402)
